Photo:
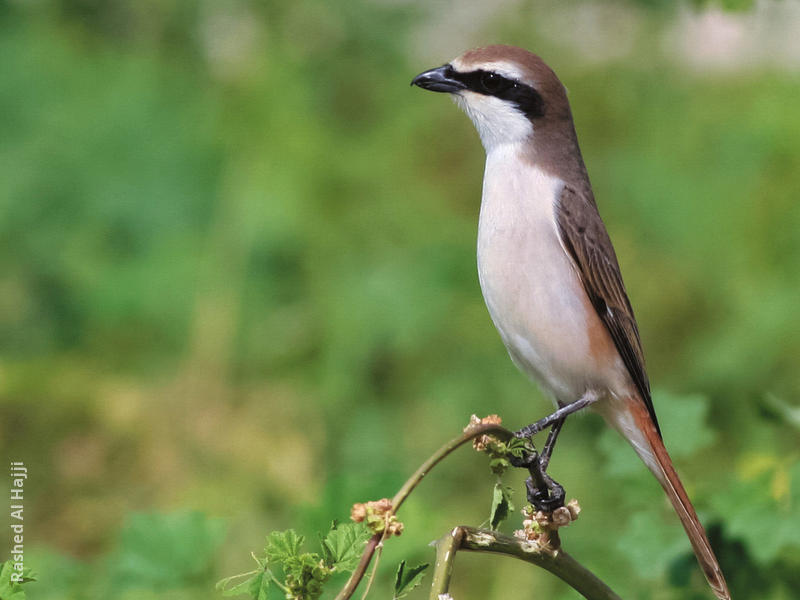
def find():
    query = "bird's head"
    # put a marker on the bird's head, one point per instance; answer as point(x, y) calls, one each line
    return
point(509, 93)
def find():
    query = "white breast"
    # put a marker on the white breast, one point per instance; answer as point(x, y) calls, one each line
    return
point(531, 288)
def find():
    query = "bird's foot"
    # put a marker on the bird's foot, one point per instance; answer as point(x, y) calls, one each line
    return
point(543, 492)
point(545, 499)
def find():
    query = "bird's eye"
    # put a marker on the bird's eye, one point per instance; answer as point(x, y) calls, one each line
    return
point(494, 83)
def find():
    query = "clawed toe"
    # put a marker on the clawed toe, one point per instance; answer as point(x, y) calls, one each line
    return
point(548, 499)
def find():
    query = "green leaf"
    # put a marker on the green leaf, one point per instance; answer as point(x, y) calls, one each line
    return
point(283, 546)
point(327, 555)
point(251, 583)
point(518, 446)
point(12, 590)
point(501, 505)
point(258, 585)
point(254, 583)
point(345, 544)
point(407, 579)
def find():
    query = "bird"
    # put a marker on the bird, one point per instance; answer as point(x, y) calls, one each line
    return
point(546, 266)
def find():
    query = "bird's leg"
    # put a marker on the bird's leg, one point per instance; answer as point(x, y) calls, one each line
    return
point(588, 398)
point(547, 451)
point(543, 492)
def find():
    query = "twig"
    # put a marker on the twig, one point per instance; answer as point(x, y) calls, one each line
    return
point(445, 559)
point(358, 573)
point(408, 487)
point(374, 568)
point(558, 562)
point(471, 433)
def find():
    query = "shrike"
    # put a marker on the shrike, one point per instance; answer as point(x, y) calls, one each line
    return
point(546, 266)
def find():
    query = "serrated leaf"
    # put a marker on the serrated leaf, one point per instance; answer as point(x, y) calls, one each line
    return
point(258, 586)
point(327, 555)
point(345, 544)
point(283, 546)
point(254, 583)
point(243, 587)
point(12, 590)
point(501, 505)
point(407, 579)
point(517, 446)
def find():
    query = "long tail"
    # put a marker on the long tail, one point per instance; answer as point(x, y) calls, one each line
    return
point(655, 455)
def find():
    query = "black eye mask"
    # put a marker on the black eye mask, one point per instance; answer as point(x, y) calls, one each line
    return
point(488, 83)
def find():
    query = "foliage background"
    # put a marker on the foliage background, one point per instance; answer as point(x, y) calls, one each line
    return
point(238, 291)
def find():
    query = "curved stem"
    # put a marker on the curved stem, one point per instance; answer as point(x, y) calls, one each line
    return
point(358, 573)
point(374, 568)
point(442, 453)
point(408, 487)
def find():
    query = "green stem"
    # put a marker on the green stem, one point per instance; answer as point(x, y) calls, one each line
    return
point(445, 558)
point(358, 573)
point(442, 453)
point(408, 487)
point(374, 571)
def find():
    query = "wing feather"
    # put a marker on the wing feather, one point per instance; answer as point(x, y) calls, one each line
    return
point(586, 239)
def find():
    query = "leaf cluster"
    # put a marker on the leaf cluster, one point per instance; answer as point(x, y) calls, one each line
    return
point(300, 575)
point(500, 452)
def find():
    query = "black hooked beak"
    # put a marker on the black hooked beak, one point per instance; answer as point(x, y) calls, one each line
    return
point(441, 79)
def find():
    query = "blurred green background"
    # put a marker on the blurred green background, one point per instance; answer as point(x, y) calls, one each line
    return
point(238, 288)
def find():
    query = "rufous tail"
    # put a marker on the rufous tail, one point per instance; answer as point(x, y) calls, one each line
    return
point(660, 464)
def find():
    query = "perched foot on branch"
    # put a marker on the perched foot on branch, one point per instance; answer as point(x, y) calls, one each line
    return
point(544, 492)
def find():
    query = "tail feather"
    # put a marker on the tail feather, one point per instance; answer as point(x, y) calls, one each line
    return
point(660, 464)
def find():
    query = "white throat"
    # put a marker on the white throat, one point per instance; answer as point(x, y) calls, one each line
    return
point(498, 122)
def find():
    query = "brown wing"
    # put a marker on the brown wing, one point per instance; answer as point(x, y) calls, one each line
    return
point(586, 239)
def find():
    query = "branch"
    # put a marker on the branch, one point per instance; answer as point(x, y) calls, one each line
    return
point(361, 569)
point(551, 558)
point(558, 562)
point(471, 433)
point(408, 487)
